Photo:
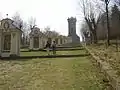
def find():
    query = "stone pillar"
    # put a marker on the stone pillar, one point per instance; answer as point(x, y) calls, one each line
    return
point(17, 44)
point(58, 41)
point(0, 44)
point(69, 40)
point(40, 43)
point(19, 40)
point(14, 42)
point(31, 43)
point(63, 40)
point(66, 40)
point(44, 42)
point(46, 39)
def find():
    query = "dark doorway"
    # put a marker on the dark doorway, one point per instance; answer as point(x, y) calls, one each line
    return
point(36, 42)
point(7, 42)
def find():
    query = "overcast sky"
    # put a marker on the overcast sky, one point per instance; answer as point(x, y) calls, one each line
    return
point(53, 13)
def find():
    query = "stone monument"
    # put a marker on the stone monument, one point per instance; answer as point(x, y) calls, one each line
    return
point(10, 38)
point(36, 39)
point(72, 30)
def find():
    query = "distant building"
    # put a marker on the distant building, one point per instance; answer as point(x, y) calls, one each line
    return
point(72, 30)
point(39, 39)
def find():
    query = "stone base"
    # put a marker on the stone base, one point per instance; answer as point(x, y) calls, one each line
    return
point(5, 54)
point(75, 38)
point(13, 55)
point(30, 50)
point(40, 49)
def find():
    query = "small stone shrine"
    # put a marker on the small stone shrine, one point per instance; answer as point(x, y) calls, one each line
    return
point(35, 39)
point(10, 38)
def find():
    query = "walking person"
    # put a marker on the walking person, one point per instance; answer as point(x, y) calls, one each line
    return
point(54, 48)
point(48, 47)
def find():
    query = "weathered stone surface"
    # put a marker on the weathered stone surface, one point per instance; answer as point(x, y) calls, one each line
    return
point(72, 30)
point(10, 38)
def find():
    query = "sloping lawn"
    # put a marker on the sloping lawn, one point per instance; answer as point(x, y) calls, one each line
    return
point(50, 74)
point(110, 55)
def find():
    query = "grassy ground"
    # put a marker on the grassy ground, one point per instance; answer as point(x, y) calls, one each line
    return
point(110, 55)
point(42, 53)
point(50, 74)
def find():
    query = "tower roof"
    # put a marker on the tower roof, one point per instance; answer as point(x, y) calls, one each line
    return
point(72, 19)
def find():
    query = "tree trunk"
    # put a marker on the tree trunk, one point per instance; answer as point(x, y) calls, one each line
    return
point(94, 36)
point(117, 45)
point(108, 27)
point(91, 38)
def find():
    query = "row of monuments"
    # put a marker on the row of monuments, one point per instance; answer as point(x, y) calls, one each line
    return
point(10, 37)
point(38, 39)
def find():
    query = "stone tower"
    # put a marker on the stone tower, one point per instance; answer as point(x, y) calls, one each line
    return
point(72, 30)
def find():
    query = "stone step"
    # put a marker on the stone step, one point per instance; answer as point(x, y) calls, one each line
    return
point(5, 54)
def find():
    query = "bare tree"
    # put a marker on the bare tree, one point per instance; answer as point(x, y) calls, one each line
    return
point(55, 33)
point(85, 32)
point(32, 22)
point(117, 2)
point(92, 16)
point(84, 28)
point(108, 23)
point(47, 31)
point(50, 33)
point(18, 20)
point(47, 28)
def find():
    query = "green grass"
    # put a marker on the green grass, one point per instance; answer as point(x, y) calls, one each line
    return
point(40, 53)
point(50, 74)
point(86, 75)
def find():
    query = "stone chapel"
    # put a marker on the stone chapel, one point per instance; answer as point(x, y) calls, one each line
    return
point(10, 38)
